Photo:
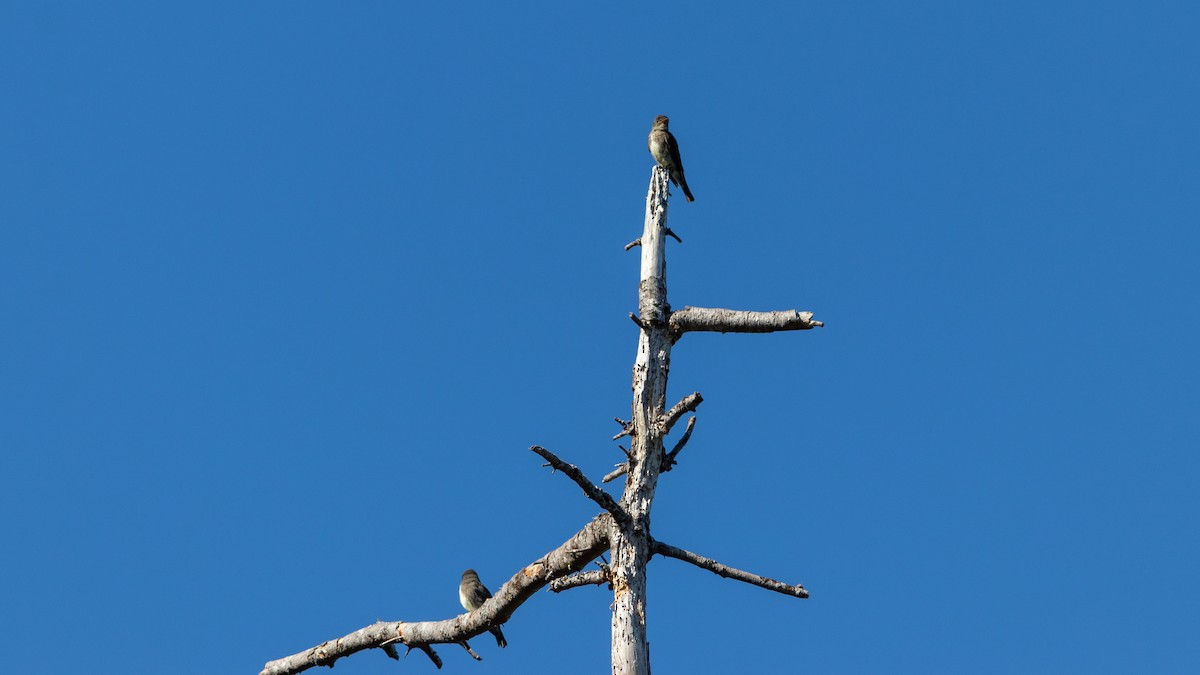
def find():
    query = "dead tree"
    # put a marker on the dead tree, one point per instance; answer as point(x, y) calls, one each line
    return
point(623, 527)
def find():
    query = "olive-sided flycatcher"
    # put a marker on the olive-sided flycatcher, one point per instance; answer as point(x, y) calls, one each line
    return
point(472, 593)
point(666, 152)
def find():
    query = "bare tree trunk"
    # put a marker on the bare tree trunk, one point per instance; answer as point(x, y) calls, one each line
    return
point(630, 541)
point(623, 528)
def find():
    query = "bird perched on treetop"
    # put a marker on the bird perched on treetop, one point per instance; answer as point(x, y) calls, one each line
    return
point(472, 593)
point(665, 151)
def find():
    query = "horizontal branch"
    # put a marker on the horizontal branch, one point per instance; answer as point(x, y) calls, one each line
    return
point(588, 578)
point(572, 556)
point(737, 321)
point(727, 571)
point(594, 493)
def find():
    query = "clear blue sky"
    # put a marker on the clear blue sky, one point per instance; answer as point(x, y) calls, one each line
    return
point(289, 288)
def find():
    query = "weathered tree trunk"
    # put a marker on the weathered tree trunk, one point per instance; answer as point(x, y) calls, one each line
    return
point(623, 528)
point(630, 541)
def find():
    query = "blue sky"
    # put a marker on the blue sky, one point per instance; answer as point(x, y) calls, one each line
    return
point(288, 290)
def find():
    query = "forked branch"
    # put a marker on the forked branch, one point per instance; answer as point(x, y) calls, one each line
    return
point(728, 572)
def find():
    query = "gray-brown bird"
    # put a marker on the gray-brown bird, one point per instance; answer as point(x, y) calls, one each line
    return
point(472, 593)
point(665, 151)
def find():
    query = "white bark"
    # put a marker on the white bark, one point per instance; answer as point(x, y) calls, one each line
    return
point(739, 321)
point(631, 542)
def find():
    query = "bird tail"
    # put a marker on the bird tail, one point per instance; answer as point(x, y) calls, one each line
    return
point(686, 192)
point(500, 641)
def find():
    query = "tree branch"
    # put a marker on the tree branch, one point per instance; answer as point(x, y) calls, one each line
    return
point(737, 321)
point(573, 555)
point(621, 470)
point(594, 493)
point(433, 656)
point(687, 404)
point(588, 578)
point(669, 460)
point(626, 428)
point(470, 651)
point(728, 572)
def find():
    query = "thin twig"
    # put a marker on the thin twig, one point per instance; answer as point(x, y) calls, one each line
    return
point(594, 493)
point(728, 572)
point(635, 242)
point(671, 234)
point(669, 460)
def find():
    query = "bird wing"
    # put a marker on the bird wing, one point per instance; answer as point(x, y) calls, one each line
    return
point(673, 150)
point(481, 593)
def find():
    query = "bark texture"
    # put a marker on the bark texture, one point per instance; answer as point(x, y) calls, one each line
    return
point(631, 540)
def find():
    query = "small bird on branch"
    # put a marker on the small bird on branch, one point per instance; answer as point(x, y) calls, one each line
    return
point(472, 593)
point(665, 151)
